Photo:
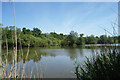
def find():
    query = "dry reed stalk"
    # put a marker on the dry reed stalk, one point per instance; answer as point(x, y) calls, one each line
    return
point(7, 45)
point(31, 73)
point(15, 67)
point(12, 67)
point(4, 70)
point(14, 49)
point(7, 50)
point(36, 65)
point(15, 52)
point(18, 66)
point(25, 61)
point(41, 72)
point(21, 47)
point(22, 72)
point(19, 57)
point(28, 50)
point(27, 69)
point(13, 41)
point(45, 67)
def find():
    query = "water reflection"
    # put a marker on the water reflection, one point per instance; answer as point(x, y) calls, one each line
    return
point(81, 52)
point(72, 53)
point(31, 56)
point(54, 62)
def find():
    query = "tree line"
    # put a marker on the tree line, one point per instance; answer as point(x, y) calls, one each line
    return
point(36, 38)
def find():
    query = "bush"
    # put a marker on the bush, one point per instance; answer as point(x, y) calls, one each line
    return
point(105, 66)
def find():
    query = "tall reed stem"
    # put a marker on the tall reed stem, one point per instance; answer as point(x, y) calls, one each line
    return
point(15, 41)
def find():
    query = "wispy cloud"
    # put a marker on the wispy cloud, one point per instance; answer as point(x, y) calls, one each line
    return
point(62, 17)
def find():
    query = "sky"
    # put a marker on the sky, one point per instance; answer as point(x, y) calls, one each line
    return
point(61, 0)
point(62, 17)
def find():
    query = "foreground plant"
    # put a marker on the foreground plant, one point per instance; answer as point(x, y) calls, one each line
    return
point(105, 66)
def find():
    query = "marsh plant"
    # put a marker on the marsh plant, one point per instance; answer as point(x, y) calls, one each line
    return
point(104, 66)
point(12, 70)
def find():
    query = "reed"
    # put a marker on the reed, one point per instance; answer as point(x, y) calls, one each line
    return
point(14, 71)
point(105, 66)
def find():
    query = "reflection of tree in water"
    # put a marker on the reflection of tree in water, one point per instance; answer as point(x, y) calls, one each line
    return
point(119, 49)
point(81, 51)
point(9, 57)
point(31, 55)
point(93, 52)
point(38, 58)
point(72, 53)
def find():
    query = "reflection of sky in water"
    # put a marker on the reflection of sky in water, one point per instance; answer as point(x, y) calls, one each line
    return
point(72, 53)
point(61, 65)
point(102, 45)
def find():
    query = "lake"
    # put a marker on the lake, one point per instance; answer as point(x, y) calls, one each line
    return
point(53, 62)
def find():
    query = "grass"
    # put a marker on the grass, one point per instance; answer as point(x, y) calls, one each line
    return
point(15, 71)
point(105, 66)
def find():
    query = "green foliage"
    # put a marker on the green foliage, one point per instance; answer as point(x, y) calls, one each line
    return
point(118, 39)
point(74, 34)
point(70, 40)
point(80, 40)
point(103, 39)
point(37, 38)
point(105, 66)
point(90, 40)
point(36, 32)
point(110, 40)
point(26, 31)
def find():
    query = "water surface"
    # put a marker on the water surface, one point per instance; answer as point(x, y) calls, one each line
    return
point(51, 62)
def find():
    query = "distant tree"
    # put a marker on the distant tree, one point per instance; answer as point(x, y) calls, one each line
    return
point(80, 40)
point(74, 34)
point(36, 32)
point(81, 35)
point(24, 30)
point(37, 38)
point(70, 40)
point(102, 39)
point(110, 40)
point(90, 40)
point(61, 34)
point(118, 39)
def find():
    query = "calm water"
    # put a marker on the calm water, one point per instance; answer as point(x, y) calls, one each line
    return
point(51, 62)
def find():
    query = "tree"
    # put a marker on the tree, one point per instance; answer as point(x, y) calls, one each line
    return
point(81, 35)
point(24, 30)
point(74, 34)
point(91, 40)
point(110, 40)
point(70, 40)
point(118, 39)
point(102, 39)
point(36, 32)
point(80, 40)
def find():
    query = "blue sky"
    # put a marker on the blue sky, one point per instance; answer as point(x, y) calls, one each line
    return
point(62, 17)
point(61, 0)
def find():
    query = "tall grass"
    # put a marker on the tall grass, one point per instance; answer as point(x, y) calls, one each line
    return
point(8, 69)
point(14, 71)
point(105, 66)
